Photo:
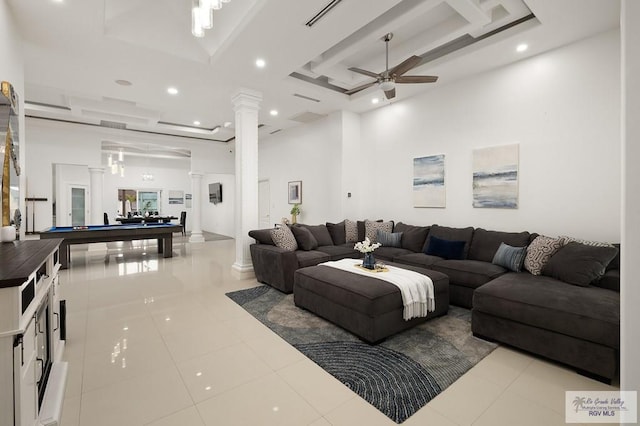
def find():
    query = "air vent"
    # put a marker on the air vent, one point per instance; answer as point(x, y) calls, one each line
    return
point(314, 20)
point(113, 124)
point(298, 95)
point(307, 117)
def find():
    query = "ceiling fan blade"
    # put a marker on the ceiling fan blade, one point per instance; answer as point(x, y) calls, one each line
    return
point(405, 66)
point(417, 79)
point(359, 88)
point(390, 94)
point(365, 72)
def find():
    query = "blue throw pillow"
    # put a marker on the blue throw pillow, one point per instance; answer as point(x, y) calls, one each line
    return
point(446, 249)
point(389, 239)
point(509, 257)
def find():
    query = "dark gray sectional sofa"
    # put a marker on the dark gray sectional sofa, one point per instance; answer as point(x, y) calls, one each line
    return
point(578, 325)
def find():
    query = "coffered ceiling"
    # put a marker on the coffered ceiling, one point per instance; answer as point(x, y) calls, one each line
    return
point(76, 50)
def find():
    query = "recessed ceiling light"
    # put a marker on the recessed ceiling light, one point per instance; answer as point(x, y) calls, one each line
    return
point(227, 124)
point(273, 112)
point(260, 63)
point(172, 91)
point(196, 123)
point(123, 82)
point(375, 101)
point(522, 47)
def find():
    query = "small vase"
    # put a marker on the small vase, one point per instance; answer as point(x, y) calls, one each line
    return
point(294, 218)
point(369, 261)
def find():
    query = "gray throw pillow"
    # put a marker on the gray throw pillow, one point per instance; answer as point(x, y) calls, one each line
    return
point(305, 239)
point(337, 232)
point(321, 234)
point(283, 238)
point(579, 264)
point(389, 239)
point(510, 257)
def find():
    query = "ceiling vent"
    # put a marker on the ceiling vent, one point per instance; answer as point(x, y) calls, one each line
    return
point(308, 98)
point(307, 117)
point(314, 20)
point(113, 124)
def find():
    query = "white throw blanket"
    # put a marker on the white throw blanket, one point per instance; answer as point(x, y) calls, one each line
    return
point(418, 296)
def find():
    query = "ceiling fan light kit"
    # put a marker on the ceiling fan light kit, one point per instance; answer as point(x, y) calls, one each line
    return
point(387, 79)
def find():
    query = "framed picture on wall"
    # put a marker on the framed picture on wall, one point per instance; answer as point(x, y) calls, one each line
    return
point(295, 192)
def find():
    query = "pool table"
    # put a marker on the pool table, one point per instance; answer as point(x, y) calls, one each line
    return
point(163, 232)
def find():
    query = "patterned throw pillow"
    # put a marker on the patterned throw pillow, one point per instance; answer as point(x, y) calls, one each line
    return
point(389, 239)
point(566, 240)
point(510, 257)
point(539, 252)
point(283, 238)
point(351, 231)
point(371, 229)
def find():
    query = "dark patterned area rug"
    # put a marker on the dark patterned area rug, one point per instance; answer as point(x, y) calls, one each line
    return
point(397, 376)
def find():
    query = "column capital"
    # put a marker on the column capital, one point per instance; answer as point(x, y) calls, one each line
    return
point(246, 99)
point(196, 174)
point(96, 170)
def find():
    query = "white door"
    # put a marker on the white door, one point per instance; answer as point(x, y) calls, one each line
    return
point(264, 199)
point(77, 202)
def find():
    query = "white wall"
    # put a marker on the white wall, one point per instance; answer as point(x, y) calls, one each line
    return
point(12, 70)
point(630, 292)
point(218, 218)
point(312, 154)
point(562, 108)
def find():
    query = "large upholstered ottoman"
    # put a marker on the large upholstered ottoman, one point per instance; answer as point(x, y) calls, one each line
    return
point(368, 307)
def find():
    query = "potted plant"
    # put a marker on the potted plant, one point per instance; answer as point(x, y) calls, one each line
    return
point(295, 211)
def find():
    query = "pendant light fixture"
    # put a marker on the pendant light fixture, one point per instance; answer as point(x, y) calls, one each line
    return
point(202, 15)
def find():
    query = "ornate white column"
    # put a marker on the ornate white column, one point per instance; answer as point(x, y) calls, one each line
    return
point(196, 208)
point(96, 183)
point(246, 104)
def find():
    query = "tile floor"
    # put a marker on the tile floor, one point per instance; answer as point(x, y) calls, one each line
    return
point(155, 341)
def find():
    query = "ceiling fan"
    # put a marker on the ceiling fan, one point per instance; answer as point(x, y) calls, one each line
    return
point(387, 79)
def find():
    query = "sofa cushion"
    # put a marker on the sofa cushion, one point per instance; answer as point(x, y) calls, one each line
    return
point(509, 257)
point(566, 240)
point(579, 264)
point(417, 259)
point(413, 237)
point(588, 313)
point(539, 252)
point(371, 229)
point(610, 280)
point(311, 258)
point(337, 232)
point(350, 231)
point(262, 236)
point(389, 239)
point(304, 238)
point(445, 249)
point(321, 233)
point(390, 253)
point(451, 234)
point(485, 243)
point(468, 273)
point(340, 252)
point(283, 238)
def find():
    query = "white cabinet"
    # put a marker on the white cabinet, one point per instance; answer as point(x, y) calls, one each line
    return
point(30, 344)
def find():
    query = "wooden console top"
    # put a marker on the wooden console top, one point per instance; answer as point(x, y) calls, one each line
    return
point(18, 259)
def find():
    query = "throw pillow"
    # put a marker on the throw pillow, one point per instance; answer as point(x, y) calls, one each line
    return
point(447, 249)
point(413, 237)
point(510, 257)
point(566, 240)
point(389, 239)
point(321, 234)
point(539, 252)
point(305, 239)
point(371, 229)
point(337, 232)
point(350, 231)
point(579, 264)
point(283, 238)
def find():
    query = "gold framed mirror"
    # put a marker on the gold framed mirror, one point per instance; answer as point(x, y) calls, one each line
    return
point(9, 155)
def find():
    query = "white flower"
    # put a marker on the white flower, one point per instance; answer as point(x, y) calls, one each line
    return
point(366, 246)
